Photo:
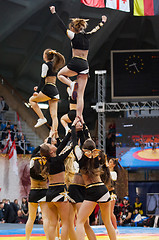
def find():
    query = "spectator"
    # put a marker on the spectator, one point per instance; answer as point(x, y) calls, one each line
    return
point(16, 204)
point(15, 133)
point(20, 218)
point(126, 212)
point(6, 131)
point(24, 208)
point(149, 222)
point(137, 218)
point(23, 149)
point(9, 215)
point(138, 205)
point(117, 210)
point(3, 108)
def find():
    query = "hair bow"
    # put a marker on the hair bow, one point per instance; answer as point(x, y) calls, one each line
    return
point(42, 160)
point(91, 154)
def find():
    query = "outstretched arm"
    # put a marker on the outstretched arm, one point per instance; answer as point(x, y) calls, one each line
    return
point(69, 33)
point(99, 26)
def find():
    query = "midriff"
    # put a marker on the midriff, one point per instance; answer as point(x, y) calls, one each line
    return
point(50, 79)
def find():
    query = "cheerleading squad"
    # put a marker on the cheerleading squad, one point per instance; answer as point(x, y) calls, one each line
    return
point(79, 175)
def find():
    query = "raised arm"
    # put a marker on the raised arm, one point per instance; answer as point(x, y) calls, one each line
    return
point(63, 143)
point(69, 33)
point(99, 26)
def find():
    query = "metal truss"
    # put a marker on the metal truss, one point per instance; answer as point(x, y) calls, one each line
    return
point(125, 106)
point(101, 80)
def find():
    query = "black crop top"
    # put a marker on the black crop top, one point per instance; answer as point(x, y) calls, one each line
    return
point(34, 157)
point(57, 163)
point(80, 40)
point(46, 71)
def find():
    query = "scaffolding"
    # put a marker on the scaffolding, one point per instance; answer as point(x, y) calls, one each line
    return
point(101, 107)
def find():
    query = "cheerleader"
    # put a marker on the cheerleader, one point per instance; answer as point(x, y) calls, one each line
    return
point(37, 195)
point(114, 167)
point(56, 195)
point(96, 191)
point(76, 194)
point(78, 64)
point(47, 90)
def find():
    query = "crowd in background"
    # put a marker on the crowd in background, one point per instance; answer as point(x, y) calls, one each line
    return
point(10, 131)
point(126, 214)
point(13, 212)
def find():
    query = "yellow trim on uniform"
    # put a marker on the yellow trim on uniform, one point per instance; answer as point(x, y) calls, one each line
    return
point(94, 185)
point(78, 184)
point(51, 84)
point(38, 188)
point(56, 184)
point(80, 57)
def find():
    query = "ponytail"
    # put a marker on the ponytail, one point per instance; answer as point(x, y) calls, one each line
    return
point(58, 60)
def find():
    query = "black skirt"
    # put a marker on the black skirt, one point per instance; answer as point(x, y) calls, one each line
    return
point(37, 195)
point(97, 192)
point(78, 65)
point(51, 91)
point(56, 193)
point(76, 193)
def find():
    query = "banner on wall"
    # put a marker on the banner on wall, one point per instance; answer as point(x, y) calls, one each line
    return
point(122, 5)
point(146, 8)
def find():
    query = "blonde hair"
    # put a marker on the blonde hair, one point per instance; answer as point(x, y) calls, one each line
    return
point(78, 24)
point(69, 168)
point(58, 60)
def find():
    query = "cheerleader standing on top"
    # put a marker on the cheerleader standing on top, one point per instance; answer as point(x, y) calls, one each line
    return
point(78, 64)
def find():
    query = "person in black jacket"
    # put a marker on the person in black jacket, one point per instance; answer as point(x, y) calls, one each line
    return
point(9, 213)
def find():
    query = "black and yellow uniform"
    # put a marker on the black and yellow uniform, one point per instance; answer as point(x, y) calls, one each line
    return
point(37, 195)
point(96, 192)
point(76, 193)
point(79, 41)
point(57, 192)
point(49, 89)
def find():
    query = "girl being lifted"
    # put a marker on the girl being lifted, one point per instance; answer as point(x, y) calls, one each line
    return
point(78, 64)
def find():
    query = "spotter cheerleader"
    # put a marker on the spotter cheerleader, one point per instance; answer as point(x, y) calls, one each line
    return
point(78, 64)
point(47, 90)
point(56, 195)
point(76, 194)
point(37, 195)
point(96, 191)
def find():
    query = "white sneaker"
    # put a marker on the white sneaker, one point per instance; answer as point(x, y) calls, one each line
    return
point(73, 90)
point(117, 231)
point(40, 122)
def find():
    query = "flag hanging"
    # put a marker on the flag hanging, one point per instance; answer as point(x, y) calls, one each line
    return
point(146, 7)
point(13, 157)
point(123, 5)
point(94, 3)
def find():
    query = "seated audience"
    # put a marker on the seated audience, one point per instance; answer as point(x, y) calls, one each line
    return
point(9, 214)
point(138, 205)
point(126, 212)
point(137, 219)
